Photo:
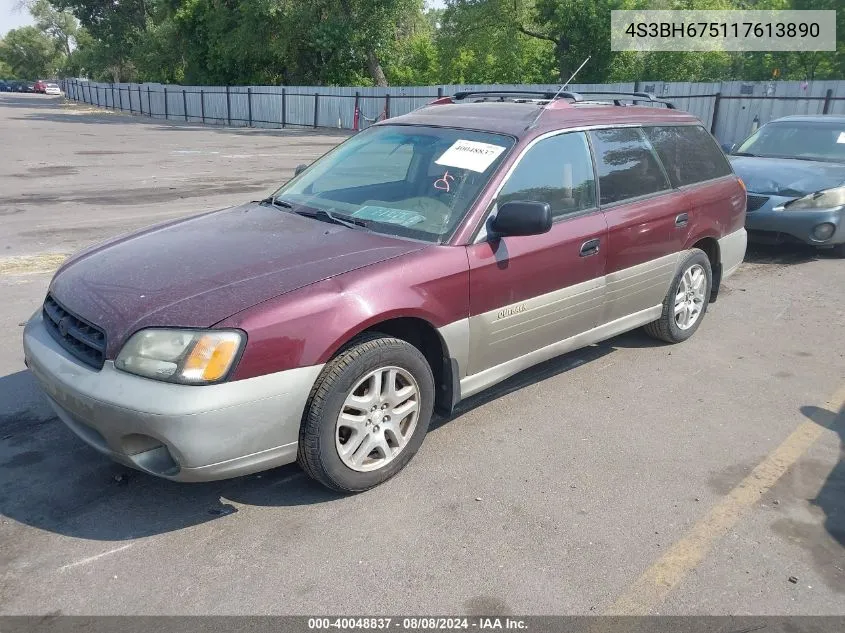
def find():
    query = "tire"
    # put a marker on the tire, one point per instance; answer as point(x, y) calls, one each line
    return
point(838, 251)
point(670, 328)
point(327, 444)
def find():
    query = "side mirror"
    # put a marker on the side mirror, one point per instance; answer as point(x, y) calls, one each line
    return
point(299, 169)
point(521, 218)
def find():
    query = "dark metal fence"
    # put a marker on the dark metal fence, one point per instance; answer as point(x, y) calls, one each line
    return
point(729, 109)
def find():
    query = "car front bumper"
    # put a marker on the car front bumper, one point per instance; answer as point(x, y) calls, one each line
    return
point(179, 432)
point(768, 225)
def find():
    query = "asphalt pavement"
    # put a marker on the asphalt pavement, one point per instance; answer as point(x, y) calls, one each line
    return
point(628, 477)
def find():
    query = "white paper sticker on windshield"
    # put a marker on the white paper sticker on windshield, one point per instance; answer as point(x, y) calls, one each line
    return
point(841, 138)
point(470, 155)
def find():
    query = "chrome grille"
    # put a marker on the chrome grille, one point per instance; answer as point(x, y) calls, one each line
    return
point(755, 202)
point(84, 340)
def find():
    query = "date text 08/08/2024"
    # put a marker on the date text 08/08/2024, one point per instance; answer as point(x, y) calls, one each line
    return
point(416, 623)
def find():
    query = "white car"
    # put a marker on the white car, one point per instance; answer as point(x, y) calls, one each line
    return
point(52, 89)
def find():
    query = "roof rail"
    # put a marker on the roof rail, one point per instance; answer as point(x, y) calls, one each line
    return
point(548, 95)
point(541, 95)
point(630, 96)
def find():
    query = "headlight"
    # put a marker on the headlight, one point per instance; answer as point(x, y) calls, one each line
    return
point(192, 357)
point(819, 200)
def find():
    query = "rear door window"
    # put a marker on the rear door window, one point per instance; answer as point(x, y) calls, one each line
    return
point(626, 164)
point(688, 153)
point(557, 170)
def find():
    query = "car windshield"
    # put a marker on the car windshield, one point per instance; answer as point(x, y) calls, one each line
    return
point(410, 181)
point(808, 140)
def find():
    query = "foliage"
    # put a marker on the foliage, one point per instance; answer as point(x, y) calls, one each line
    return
point(59, 25)
point(6, 71)
point(376, 42)
point(30, 53)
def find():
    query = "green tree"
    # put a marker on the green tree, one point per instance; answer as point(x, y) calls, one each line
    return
point(61, 25)
point(6, 71)
point(482, 41)
point(116, 26)
point(568, 31)
point(30, 53)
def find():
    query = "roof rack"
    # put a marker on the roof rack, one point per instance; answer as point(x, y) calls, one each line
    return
point(547, 95)
point(629, 96)
point(540, 95)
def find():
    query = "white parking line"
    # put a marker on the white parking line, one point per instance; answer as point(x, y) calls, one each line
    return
point(91, 559)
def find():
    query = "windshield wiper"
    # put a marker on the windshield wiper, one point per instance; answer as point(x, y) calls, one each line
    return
point(742, 154)
point(318, 214)
point(277, 202)
point(809, 158)
point(325, 214)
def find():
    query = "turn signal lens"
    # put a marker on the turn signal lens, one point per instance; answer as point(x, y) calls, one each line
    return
point(210, 359)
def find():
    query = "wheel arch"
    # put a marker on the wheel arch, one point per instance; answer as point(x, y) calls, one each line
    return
point(422, 334)
point(710, 246)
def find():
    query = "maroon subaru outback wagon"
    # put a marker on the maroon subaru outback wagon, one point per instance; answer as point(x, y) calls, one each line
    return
point(420, 262)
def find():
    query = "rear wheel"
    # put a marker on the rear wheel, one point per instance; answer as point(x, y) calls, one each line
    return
point(686, 302)
point(367, 414)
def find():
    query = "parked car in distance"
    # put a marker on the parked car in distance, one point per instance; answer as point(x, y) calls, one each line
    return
point(40, 86)
point(4, 86)
point(52, 89)
point(420, 262)
point(794, 169)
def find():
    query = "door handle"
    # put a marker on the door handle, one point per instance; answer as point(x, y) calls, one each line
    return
point(590, 247)
point(682, 219)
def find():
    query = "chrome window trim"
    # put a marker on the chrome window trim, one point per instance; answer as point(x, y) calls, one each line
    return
point(646, 196)
point(555, 219)
point(480, 232)
point(731, 175)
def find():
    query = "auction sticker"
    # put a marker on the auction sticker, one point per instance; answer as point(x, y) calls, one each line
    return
point(470, 155)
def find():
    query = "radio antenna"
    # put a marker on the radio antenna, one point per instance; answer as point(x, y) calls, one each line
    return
point(557, 94)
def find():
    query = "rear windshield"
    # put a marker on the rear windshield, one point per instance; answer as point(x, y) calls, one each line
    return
point(808, 140)
point(411, 181)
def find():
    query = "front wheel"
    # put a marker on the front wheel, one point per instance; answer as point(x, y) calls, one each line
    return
point(367, 415)
point(839, 250)
point(686, 302)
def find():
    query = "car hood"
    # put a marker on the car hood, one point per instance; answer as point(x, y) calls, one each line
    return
point(197, 271)
point(787, 177)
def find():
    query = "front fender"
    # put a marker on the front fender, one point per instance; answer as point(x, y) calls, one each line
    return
point(308, 326)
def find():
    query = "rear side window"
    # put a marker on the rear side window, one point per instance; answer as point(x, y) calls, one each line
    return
point(688, 153)
point(627, 166)
point(557, 170)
